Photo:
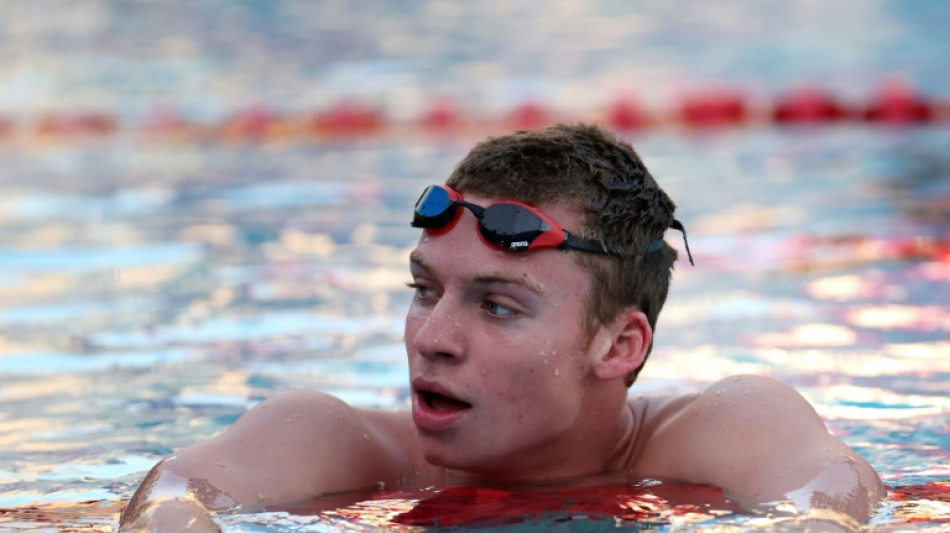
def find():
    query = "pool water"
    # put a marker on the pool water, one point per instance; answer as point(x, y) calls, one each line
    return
point(152, 289)
point(151, 314)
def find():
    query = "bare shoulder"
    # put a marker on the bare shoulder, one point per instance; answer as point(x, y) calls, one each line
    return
point(294, 446)
point(737, 413)
point(758, 401)
point(761, 440)
point(733, 403)
point(292, 420)
point(300, 444)
point(298, 413)
point(305, 419)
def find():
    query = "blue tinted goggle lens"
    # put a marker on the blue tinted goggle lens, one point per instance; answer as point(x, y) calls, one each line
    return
point(434, 208)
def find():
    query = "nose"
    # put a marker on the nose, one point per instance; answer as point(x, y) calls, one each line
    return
point(436, 332)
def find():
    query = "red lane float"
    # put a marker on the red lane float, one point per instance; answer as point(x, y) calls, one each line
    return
point(625, 114)
point(897, 103)
point(894, 103)
point(442, 116)
point(808, 105)
point(529, 116)
point(92, 123)
point(713, 108)
point(255, 122)
point(347, 120)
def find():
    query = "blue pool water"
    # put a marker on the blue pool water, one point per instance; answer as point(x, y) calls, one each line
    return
point(152, 290)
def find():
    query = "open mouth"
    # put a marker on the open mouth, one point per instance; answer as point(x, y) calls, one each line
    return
point(440, 402)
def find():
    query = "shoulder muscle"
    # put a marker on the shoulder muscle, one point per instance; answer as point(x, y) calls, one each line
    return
point(762, 441)
point(298, 445)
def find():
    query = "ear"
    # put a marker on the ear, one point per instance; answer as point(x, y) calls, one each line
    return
point(629, 336)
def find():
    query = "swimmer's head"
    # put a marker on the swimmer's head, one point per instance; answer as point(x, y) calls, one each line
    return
point(603, 179)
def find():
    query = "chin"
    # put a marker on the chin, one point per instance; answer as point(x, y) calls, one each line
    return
point(453, 460)
point(445, 460)
point(477, 469)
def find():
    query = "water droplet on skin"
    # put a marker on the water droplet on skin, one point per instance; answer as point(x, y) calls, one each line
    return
point(718, 392)
point(545, 361)
point(557, 372)
point(365, 436)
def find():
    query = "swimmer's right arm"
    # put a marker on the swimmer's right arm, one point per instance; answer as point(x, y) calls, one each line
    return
point(292, 447)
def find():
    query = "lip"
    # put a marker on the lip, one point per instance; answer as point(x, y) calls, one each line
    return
point(428, 418)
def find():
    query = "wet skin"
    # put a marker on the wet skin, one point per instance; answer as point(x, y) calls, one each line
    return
point(500, 333)
point(508, 389)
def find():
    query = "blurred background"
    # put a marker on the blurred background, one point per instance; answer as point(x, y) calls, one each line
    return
point(202, 203)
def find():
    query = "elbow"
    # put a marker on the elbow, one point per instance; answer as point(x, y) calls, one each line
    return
point(849, 488)
point(166, 501)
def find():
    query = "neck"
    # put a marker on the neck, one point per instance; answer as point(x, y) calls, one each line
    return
point(598, 453)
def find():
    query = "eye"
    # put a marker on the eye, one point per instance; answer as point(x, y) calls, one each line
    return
point(423, 292)
point(498, 310)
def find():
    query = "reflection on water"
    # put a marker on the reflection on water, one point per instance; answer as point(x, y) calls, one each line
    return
point(636, 504)
point(152, 289)
point(126, 333)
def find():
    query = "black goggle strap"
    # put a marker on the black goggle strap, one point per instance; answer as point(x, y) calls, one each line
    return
point(677, 225)
point(476, 210)
point(583, 245)
point(573, 243)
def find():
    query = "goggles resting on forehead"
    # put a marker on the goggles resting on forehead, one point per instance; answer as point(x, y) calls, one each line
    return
point(507, 225)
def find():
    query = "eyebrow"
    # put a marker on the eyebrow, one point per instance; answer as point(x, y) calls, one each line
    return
point(485, 278)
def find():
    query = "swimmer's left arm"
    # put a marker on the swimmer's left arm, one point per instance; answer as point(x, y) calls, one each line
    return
point(761, 441)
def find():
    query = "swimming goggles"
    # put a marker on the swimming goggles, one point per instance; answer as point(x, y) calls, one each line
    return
point(508, 225)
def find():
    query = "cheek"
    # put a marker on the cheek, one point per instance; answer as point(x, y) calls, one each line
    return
point(540, 372)
point(415, 321)
point(409, 327)
point(533, 395)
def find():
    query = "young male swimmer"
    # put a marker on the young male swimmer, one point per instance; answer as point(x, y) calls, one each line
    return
point(538, 281)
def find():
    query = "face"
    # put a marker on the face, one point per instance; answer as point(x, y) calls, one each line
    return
point(500, 363)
